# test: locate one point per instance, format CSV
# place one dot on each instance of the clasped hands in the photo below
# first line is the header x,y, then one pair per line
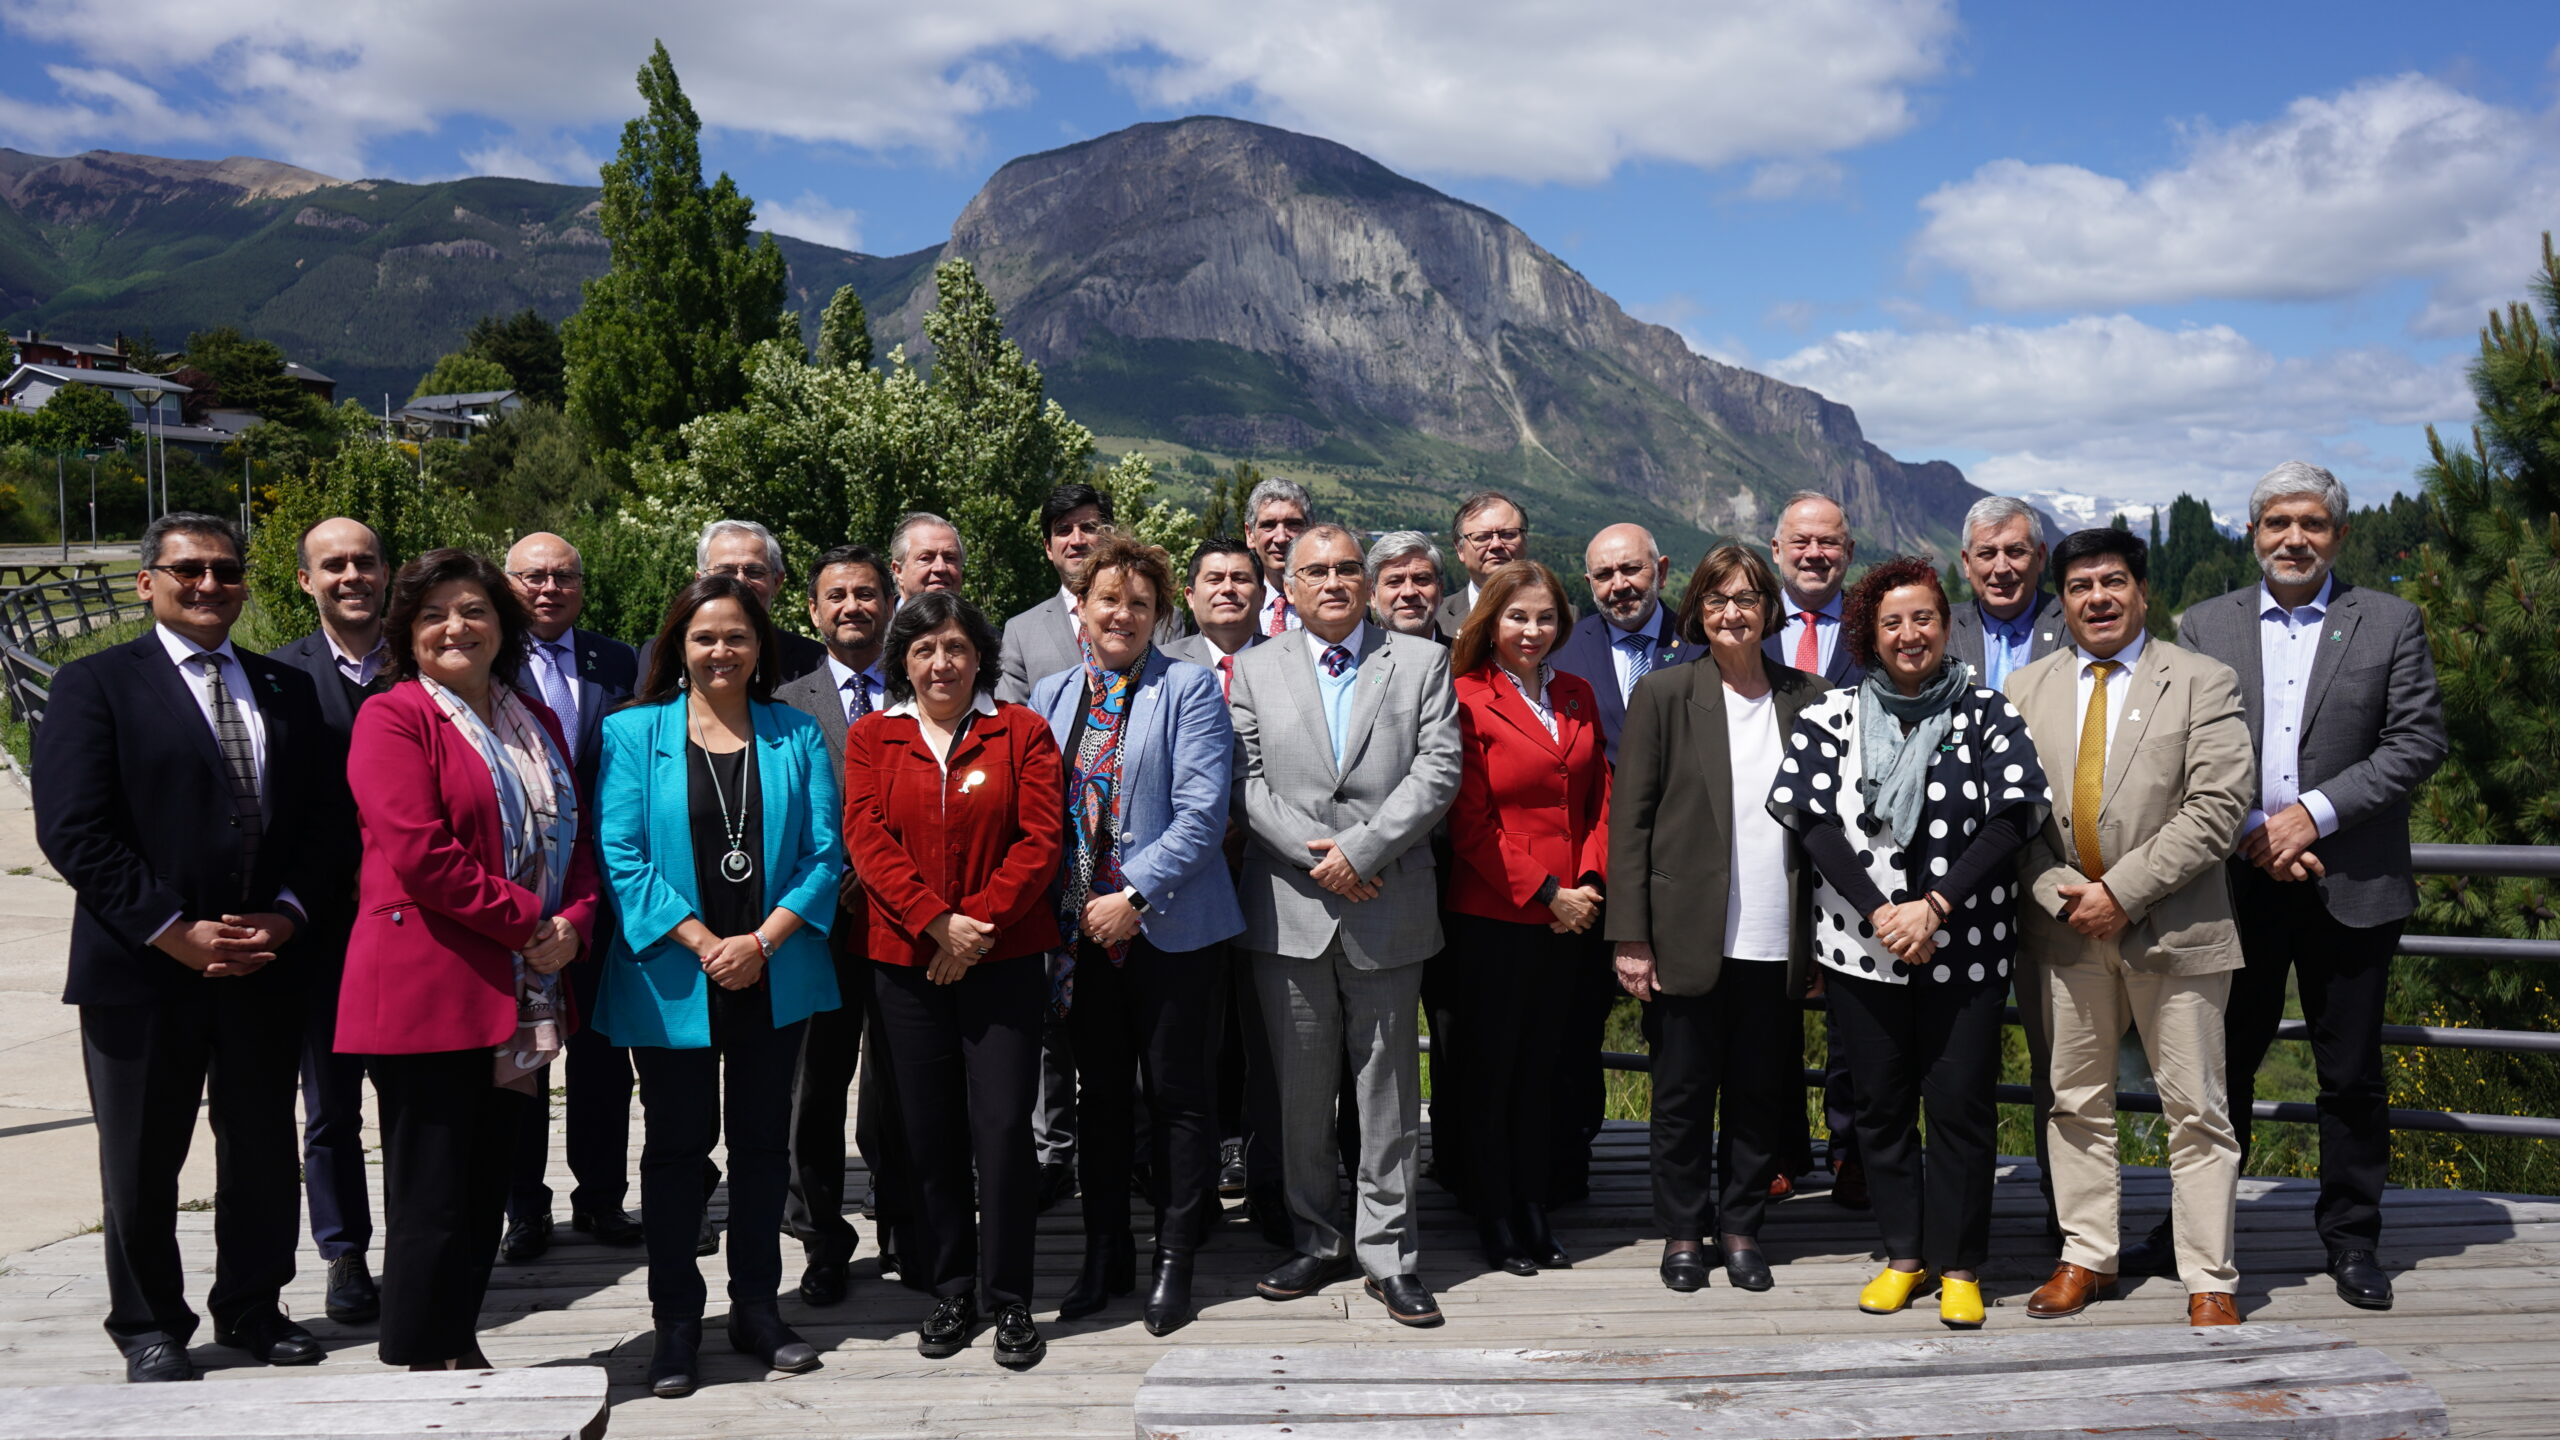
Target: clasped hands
x,y
1909,931
553,946
2282,846
1333,871
231,946
2090,908
959,942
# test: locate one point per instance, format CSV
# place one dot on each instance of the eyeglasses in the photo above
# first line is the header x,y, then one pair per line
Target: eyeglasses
x,y
188,572
550,579
1715,604
1482,538
749,573
1340,569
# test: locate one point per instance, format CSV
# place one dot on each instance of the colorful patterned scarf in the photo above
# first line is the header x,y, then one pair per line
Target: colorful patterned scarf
x,y
1093,809
538,821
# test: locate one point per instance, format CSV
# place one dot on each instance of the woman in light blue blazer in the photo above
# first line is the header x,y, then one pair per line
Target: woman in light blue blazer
x,y
717,814
1144,898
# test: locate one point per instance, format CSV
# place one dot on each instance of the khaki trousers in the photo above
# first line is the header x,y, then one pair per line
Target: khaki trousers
x,y
2180,1020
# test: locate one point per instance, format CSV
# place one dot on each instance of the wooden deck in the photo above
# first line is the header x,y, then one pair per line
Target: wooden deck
x,y
2478,1318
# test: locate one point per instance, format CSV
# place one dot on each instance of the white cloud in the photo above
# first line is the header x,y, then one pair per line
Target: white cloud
x,y
1524,89
811,218
556,158
2111,405
2393,178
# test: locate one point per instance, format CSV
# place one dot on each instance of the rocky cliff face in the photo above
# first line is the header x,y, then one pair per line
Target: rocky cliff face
x,y
1377,304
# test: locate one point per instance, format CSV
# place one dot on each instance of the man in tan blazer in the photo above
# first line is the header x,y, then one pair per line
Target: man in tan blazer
x,y
2128,916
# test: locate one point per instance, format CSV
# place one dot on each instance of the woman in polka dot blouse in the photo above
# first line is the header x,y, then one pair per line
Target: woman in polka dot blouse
x,y
1912,793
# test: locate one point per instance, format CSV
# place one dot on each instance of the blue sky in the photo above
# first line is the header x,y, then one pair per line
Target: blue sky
x,y
2118,250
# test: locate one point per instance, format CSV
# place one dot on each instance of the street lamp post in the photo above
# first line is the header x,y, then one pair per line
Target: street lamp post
x,y
149,397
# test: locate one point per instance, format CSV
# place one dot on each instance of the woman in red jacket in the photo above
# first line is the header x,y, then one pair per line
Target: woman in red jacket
x,y
1530,831
478,886
955,814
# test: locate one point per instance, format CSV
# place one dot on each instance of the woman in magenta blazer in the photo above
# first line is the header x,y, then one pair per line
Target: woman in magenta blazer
x,y
1530,832
478,887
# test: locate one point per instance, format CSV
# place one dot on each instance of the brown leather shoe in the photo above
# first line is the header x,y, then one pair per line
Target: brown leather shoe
x,y
2212,1307
2071,1290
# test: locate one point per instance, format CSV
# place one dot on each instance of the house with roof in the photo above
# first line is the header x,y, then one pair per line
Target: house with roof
x,y
30,386
33,349
456,417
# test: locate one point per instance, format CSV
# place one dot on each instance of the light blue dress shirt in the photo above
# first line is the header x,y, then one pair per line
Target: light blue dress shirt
x,y
1622,654
1826,634
2006,644
2288,643
1336,690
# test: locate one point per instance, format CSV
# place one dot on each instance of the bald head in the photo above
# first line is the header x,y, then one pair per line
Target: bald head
x,y
551,580
343,570
1626,570
1812,549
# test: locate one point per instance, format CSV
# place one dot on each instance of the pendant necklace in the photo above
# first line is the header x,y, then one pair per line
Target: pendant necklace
x,y
737,864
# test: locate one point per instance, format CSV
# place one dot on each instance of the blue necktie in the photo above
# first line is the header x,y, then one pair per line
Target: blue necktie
x,y
1337,658
1639,648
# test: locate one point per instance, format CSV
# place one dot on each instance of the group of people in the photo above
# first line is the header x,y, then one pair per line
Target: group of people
x,y
1150,892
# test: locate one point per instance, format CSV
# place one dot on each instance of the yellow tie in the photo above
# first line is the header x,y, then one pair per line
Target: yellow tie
x,y
2089,773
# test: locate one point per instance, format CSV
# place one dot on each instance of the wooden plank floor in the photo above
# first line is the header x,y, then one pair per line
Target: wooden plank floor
x,y
2478,1318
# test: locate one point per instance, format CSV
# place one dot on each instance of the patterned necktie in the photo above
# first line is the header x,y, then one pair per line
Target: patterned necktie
x,y
1226,677
2089,774
558,692
857,700
1809,644
1280,615
1337,658
1639,648
240,758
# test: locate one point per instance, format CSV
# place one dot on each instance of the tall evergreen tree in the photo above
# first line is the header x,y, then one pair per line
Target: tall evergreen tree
x,y
664,333
844,332
527,347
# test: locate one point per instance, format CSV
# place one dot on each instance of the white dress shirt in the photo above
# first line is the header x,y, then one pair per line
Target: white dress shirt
x,y
182,653
1276,601
2288,643
980,703
1539,704
2117,688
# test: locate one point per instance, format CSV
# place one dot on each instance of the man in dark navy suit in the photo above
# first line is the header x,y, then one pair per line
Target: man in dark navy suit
x,y
580,675
185,790
341,566
1629,633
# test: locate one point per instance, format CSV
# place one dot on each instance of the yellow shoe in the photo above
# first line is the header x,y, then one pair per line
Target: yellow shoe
x,y
1960,1304
1889,1292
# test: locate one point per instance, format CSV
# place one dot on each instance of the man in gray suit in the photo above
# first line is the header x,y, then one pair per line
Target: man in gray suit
x,y
1347,742
2013,620
1043,640
2347,722
1491,532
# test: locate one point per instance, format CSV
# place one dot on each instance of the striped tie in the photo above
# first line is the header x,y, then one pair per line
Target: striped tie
x,y
1639,648
239,757
2089,773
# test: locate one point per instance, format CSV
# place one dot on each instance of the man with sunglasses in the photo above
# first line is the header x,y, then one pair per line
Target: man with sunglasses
x,y
190,791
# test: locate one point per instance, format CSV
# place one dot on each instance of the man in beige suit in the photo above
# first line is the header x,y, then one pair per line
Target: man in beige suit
x,y
2128,915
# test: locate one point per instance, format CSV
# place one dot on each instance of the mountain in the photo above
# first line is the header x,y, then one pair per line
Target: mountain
x,y
2075,511
1204,285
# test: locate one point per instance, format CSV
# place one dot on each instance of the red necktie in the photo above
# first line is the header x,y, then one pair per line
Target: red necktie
x,y
1809,644
1279,614
1227,677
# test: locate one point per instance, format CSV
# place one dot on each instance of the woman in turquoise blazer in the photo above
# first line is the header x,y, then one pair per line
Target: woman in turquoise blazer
x,y
716,827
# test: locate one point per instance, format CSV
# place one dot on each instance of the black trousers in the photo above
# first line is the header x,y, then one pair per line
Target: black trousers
x,y
2344,973
1938,1046
1514,1055
967,1057
1739,1044
1582,1094
740,1081
448,1149
596,1073
1839,1098
1443,986
333,1164
832,1056
1147,1023
236,1045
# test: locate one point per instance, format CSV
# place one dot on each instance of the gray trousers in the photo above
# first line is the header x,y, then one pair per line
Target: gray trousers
x,y
1320,1012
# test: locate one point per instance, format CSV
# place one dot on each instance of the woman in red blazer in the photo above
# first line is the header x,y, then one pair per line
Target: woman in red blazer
x,y
955,817
1530,832
478,886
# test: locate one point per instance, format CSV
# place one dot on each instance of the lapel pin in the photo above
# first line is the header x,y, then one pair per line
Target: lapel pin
x,y
2337,634
2133,715
975,779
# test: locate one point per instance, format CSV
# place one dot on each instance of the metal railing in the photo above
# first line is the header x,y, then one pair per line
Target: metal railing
x,y
36,618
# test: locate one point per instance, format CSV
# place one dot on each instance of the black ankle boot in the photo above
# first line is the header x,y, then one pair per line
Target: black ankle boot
x,y
758,1330
1540,1238
1110,1268
671,1363
1168,1305
1503,1248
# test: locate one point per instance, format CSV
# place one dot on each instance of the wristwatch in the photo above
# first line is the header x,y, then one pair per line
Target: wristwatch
x,y
1137,901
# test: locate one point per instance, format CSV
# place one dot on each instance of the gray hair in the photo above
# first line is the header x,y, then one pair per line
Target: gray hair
x,y
914,518
1395,545
718,528
1275,488
1802,496
1318,532
1993,510
2297,477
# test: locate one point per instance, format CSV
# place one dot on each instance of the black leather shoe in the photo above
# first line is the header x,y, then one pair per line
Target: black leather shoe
x,y
947,1330
271,1337
825,1282
155,1363
2362,1282
889,1266
525,1240
758,1330
1685,1270
1018,1342
1747,1269
1057,1182
1407,1301
1270,1216
1168,1306
871,1201
353,1299
1110,1268
708,1242
1302,1275
609,1227
1504,1250
1540,1237
672,1365
1231,1169
2153,1254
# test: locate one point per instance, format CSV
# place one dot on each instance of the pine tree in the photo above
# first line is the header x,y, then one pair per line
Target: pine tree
x,y
664,333
844,332
527,347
